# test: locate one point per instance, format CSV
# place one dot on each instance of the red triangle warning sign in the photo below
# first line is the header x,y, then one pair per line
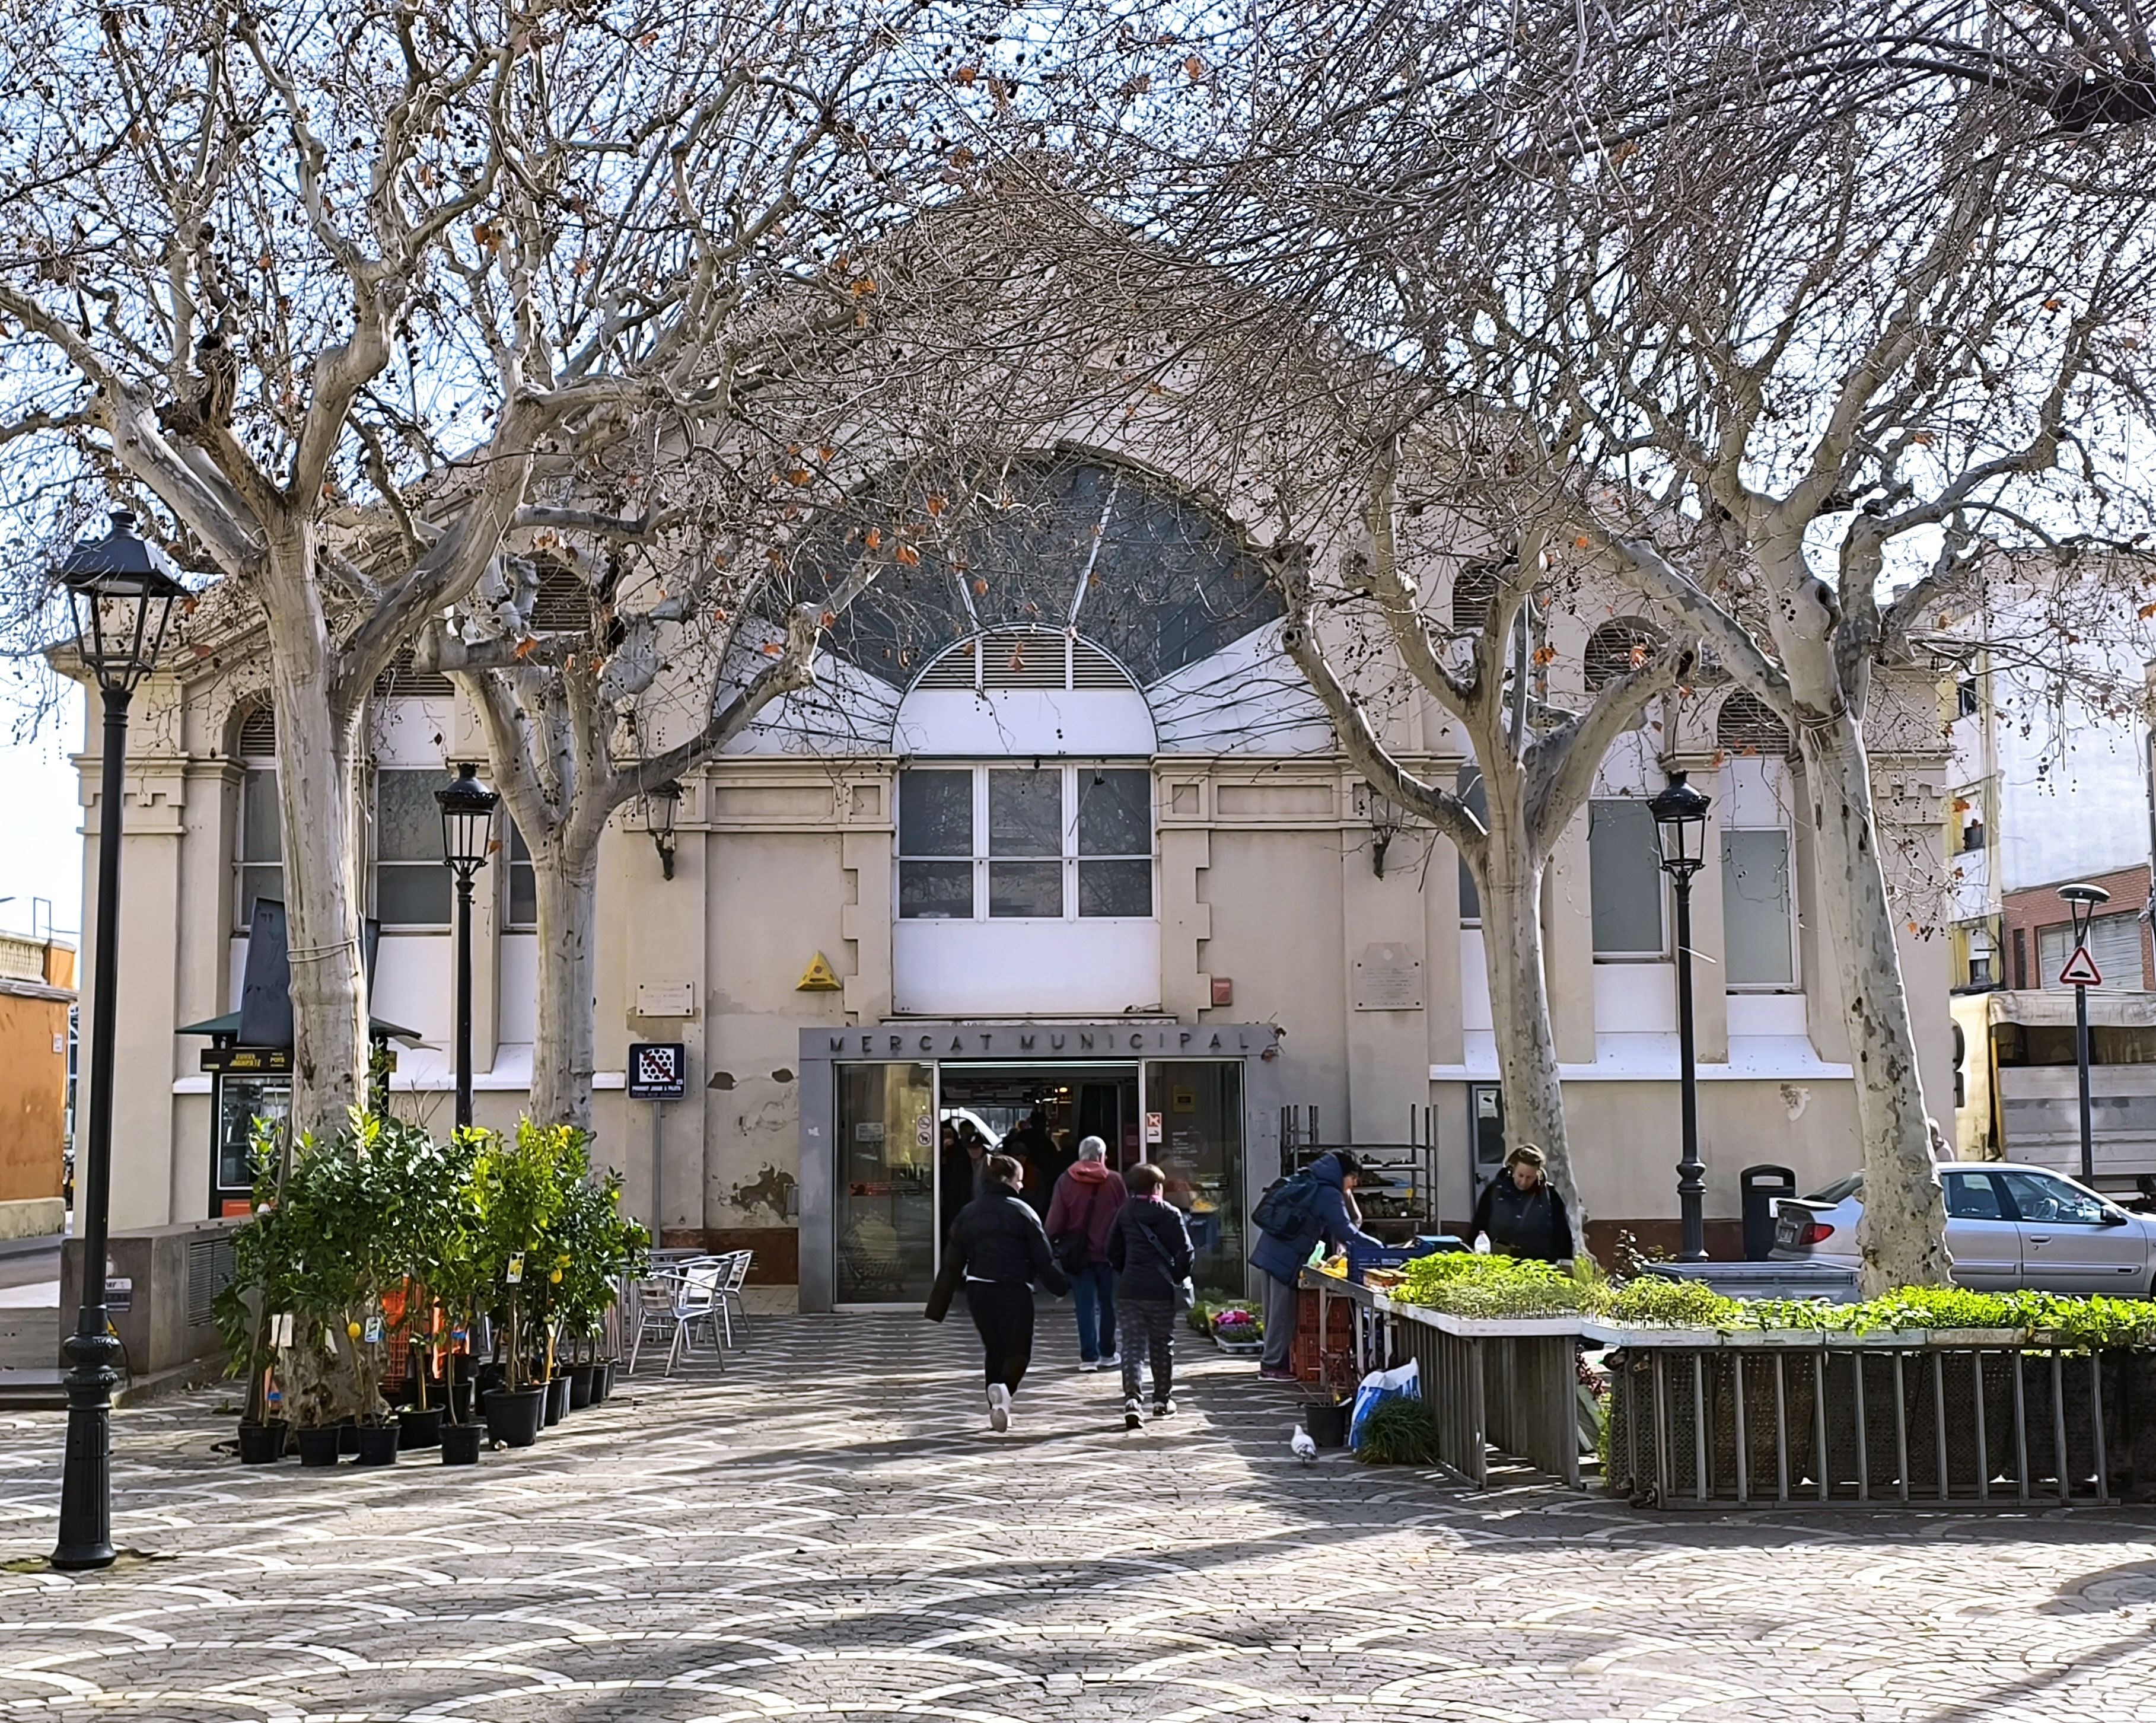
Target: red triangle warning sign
x,y
2081,970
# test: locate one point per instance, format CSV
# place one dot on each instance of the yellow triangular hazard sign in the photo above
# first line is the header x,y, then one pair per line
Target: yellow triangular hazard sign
x,y
819,977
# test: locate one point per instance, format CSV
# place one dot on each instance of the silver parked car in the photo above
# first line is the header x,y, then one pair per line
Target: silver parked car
x,y
2008,1226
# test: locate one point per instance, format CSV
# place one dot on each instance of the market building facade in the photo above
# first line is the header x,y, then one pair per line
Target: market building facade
x,y
1066,851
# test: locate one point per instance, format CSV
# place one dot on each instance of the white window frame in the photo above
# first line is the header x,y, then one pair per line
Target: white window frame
x,y
250,765
1070,858
1796,983
1665,900
375,862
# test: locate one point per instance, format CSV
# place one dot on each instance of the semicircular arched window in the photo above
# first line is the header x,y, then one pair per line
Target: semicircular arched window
x,y
1617,648
1748,725
1098,552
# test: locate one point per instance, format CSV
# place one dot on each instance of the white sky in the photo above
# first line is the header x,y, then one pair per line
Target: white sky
x,y
41,825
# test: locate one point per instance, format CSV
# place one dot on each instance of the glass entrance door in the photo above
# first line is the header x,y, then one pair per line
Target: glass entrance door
x,y
1194,1132
884,1218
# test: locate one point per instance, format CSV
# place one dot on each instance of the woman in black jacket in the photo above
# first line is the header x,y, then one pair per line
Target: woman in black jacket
x,y
1521,1212
1149,1248
998,1250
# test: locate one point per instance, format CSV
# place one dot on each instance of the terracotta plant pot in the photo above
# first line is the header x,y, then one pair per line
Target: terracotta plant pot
x,y
557,1400
322,1447
580,1386
514,1415
420,1429
261,1445
460,1443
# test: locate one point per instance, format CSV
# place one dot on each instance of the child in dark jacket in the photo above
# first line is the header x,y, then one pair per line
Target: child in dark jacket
x,y
1149,1248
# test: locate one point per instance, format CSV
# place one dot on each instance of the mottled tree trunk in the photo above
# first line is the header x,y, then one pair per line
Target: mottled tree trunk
x,y
316,765
1903,1236
1519,1013
566,882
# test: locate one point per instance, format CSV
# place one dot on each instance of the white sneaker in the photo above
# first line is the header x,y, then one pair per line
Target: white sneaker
x,y
998,1406
1085,1364
1163,1408
1114,1361
1133,1418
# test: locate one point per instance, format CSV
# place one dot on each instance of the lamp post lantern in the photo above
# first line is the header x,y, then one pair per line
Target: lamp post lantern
x,y
467,808
1680,814
2081,902
660,804
120,593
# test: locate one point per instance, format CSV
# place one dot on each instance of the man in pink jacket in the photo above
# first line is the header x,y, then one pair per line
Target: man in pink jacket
x,y
1080,1216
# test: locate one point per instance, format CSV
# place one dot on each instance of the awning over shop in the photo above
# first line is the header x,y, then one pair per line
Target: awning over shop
x,y
2053,1008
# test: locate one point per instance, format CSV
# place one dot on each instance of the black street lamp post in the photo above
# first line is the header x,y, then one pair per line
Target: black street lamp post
x,y
1680,814
467,808
120,590
2081,902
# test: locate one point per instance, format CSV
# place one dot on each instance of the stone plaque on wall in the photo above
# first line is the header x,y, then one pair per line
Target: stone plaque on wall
x,y
1388,977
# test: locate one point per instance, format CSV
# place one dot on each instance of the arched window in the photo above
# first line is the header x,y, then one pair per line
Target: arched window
x,y
1617,648
1473,590
1748,725
259,847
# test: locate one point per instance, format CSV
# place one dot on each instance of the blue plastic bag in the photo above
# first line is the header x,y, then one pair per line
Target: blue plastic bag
x,y
1405,1383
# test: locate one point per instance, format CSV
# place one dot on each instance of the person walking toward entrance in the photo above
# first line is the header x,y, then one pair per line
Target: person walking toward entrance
x,y
1291,1219
998,1250
1150,1250
1088,1198
1521,1214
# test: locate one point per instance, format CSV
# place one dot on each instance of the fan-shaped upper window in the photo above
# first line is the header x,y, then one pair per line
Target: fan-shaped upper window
x,y
402,677
563,603
1748,725
1055,545
256,738
1617,648
1013,691
1474,591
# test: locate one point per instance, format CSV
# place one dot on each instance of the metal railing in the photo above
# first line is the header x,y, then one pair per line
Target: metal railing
x,y
1512,1387
1864,1420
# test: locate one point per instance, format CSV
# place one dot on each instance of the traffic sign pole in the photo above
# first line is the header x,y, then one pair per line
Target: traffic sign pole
x,y
658,1072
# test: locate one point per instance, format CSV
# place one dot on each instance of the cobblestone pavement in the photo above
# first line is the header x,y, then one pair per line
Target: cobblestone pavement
x,y
830,1531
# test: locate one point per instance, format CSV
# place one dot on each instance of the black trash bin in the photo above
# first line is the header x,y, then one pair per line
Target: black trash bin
x,y
1763,1187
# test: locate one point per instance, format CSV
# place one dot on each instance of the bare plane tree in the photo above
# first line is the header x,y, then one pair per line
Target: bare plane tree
x,y
344,297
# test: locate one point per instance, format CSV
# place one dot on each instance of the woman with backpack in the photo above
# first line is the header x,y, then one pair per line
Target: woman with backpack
x,y
1150,1250
1291,1219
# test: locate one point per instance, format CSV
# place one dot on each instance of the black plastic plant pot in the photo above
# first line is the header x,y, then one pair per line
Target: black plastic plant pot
x,y
460,1397
261,1445
378,1442
557,1400
460,1444
580,1386
322,1447
348,1436
513,1415
602,1383
419,1429
1326,1421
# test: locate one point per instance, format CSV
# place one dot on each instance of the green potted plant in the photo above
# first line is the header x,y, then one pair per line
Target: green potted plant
x,y
516,1193
598,1245
425,1185
247,1307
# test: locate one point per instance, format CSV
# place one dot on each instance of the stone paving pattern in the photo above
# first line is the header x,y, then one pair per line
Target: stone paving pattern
x,y
828,1530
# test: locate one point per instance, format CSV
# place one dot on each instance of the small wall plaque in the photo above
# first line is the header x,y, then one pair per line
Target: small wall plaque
x,y
666,998
1388,977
